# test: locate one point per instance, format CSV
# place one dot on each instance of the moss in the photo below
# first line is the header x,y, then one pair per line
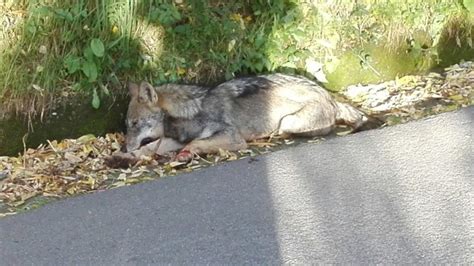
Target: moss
x,y
74,119
374,64
412,54
11,132
456,43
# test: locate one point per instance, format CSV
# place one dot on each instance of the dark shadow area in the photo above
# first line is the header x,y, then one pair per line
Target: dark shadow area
x,y
456,42
71,119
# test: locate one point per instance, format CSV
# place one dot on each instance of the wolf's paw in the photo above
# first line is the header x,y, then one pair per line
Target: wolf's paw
x,y
184,156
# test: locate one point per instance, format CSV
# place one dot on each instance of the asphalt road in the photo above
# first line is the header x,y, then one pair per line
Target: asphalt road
x,y
401,195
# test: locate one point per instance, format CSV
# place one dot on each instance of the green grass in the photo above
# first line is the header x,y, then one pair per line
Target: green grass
x,y
51,48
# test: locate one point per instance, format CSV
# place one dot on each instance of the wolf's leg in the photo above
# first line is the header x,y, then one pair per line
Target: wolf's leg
x,y
231,141
313,120
167,145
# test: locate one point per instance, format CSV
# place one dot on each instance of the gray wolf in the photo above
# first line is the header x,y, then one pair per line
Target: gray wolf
x,y
201,120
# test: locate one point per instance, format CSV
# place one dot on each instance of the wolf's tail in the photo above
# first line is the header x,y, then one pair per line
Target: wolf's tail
x,y
358,120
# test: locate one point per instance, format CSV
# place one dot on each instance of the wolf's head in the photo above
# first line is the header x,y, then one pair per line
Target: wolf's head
x,y
144,118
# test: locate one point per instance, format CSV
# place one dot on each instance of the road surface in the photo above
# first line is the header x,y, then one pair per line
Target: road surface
x,y
402,194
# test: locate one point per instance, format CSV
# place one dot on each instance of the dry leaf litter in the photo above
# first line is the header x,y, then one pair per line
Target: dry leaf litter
x,y
415,96
75,166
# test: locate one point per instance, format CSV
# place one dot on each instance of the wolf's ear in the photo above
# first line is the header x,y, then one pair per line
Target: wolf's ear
x,y
147,93
132,89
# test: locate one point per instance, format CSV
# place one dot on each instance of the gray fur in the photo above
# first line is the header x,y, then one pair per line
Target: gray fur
x,y
186,100
207,119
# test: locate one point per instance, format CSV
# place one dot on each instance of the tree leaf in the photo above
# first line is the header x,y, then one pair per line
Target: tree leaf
x,y
105,90
72,64
88,54
90,70
258,66
260,40
42,12
97,47
64,14
95,99
469,5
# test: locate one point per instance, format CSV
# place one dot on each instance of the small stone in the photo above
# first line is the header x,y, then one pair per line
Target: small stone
x,y
43,49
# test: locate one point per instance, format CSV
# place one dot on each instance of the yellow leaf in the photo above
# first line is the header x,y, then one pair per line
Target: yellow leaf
x,y
87,149
236,17
91,182
181,71
86,138
456,97
405,80
71,190
231,45
119,184
115,29
175,164
17,203
132,180
122,176
27,196
72,158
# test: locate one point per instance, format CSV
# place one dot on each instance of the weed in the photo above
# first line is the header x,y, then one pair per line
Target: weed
x,y
69,47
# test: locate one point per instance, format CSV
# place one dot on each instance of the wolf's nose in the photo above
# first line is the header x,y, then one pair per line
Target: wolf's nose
x,y
123,148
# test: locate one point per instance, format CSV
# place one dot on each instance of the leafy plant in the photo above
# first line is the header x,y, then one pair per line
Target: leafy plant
x,y
469,5
90,66
93,46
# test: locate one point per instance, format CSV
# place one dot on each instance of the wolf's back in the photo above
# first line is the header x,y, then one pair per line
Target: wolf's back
x,y
285,94
247,86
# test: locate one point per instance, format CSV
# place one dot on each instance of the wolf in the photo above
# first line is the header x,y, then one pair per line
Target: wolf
x,y
199,120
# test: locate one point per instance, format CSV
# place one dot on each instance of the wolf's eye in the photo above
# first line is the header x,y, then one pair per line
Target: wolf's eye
x,y
146,141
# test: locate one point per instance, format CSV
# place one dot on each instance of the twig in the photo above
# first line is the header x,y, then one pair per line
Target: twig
x,y
52,146
24,149
369,65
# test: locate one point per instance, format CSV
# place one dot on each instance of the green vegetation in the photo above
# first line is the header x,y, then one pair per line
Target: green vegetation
x,y
51,48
